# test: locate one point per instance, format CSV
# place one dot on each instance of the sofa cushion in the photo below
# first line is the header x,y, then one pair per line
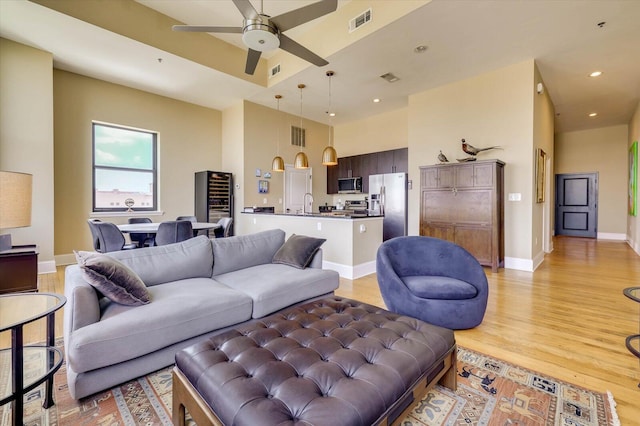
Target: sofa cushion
x,y
192,258
436,287
298,251
239,252
113,279
273,286
179,310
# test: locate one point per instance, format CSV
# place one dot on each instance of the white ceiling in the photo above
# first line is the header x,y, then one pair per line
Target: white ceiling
x,y
464,38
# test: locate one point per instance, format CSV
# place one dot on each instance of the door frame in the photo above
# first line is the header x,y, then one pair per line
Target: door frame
x,y
288,168
593,178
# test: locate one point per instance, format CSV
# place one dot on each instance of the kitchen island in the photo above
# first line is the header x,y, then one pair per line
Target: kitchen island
x,y
352,242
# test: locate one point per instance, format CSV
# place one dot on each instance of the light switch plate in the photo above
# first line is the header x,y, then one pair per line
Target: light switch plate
x,y
515,196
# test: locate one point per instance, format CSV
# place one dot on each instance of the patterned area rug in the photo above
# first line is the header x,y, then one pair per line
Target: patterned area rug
x,y
490,392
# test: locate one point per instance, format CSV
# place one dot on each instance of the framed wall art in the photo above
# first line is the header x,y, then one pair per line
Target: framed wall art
x,y
263,186
633,179
541,158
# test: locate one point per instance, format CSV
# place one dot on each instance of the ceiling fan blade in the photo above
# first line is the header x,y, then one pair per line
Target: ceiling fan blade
x,y
206,29
246,8
300,51
304,14
252,61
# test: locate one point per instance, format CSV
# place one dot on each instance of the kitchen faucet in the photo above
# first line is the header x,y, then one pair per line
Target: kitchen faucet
x,y
304,203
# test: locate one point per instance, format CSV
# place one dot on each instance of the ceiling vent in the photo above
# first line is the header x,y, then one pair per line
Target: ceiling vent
x,y
360,20
298,136
274,71
390,77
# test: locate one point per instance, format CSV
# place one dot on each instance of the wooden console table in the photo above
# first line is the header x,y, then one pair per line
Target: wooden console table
x,y
19,269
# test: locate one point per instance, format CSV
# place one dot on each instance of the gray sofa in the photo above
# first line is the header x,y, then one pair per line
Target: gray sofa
x,y
198,287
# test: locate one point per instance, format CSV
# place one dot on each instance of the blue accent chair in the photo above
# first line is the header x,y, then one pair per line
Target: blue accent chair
x,y
434,280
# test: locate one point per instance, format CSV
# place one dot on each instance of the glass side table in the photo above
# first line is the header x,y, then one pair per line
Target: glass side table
x,y
633,342
17,310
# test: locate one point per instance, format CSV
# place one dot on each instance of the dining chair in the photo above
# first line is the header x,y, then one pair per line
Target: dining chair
x,y
94,233
142,239
174,231
225,227
189,218
107,237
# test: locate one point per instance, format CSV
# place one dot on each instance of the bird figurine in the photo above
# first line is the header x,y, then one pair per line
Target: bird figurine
x,y
472,150
442,158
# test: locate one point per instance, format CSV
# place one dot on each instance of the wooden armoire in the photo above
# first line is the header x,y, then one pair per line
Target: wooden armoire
x,y
464,203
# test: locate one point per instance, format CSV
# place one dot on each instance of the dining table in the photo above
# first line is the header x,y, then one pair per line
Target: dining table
x,y
152,228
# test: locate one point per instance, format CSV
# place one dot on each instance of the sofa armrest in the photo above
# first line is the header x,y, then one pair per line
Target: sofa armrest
x,y
316,262
83,306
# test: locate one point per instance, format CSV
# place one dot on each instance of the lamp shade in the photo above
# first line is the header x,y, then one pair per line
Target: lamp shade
x,y
277,165
15,199
329,156
301,161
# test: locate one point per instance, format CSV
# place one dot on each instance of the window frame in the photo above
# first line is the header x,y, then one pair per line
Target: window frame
x,y
153,170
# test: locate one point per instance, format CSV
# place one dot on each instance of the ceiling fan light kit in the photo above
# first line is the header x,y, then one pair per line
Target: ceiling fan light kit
x,y
259,34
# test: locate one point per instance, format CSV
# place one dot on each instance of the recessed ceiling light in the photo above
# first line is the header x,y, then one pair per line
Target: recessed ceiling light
x,y
376,100
332,114
420,49
595,74
593,114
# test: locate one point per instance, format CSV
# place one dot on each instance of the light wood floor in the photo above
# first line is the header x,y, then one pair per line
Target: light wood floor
x,y
568,319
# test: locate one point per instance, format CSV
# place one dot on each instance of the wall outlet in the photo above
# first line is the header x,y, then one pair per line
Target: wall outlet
x,y
279,200
264,201
363,228
319,226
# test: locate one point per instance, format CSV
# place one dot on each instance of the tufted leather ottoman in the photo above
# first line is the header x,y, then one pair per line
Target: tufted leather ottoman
x,y
332,361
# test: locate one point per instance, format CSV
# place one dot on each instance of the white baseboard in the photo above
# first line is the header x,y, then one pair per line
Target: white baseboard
x,y
351,272
537,260
65,259
611,236
634,246
47,267
519,264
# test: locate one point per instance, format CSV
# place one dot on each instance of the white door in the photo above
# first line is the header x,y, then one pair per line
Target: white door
x,y
297,182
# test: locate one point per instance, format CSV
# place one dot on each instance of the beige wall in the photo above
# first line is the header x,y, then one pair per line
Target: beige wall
x,y
261,125
189,141
495,108
543,138
604,151
380,132
233,155
633,222
26,138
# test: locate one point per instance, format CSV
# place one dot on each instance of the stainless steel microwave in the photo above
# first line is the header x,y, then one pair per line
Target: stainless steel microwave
x,y
352,185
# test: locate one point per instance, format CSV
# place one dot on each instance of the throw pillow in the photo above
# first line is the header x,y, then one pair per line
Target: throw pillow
x,y
298,251
113,279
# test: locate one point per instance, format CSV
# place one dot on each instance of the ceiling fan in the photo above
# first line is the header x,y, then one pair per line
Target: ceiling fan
x,y
262,33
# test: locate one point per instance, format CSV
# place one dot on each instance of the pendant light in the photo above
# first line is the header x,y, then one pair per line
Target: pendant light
x,y
301,161
329,155
277,165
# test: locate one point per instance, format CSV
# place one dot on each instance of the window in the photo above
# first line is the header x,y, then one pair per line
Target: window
x,y
124,169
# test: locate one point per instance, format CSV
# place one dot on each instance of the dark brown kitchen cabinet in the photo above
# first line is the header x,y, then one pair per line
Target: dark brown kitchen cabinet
x,y
393,161
464,203
332,179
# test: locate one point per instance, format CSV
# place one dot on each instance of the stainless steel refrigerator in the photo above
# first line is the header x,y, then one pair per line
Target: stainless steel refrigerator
x,y
388,197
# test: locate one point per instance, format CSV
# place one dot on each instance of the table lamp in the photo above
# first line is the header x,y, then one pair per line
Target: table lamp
x,y
15,203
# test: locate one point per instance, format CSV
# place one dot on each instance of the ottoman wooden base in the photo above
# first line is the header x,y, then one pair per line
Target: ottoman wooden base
x,y
333,361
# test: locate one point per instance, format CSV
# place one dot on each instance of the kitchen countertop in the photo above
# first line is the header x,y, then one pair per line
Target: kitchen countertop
x,y
333,215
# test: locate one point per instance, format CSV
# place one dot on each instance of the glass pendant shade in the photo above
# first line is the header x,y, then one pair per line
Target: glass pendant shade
x,y
301,161
277,165
329,156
